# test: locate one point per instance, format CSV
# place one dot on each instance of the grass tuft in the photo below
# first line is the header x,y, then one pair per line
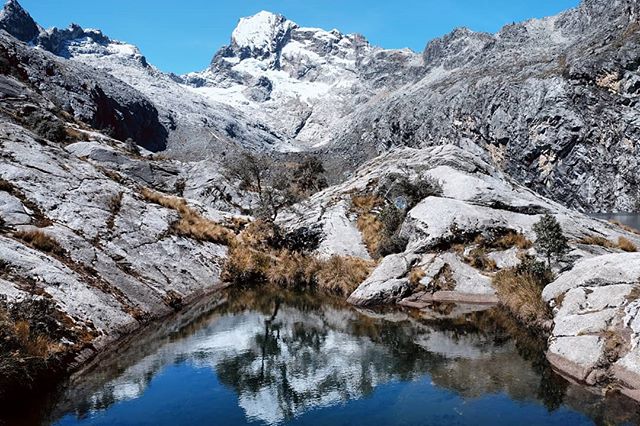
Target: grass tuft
x,y
342,275
191,224
368,223
521,293
626,245
41,241
252,260
512,239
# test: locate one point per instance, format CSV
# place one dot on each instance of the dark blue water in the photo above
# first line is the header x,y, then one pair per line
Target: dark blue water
x,y
266,360
629,219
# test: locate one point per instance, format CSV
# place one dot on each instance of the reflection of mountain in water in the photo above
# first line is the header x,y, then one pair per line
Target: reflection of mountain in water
x,y
285,357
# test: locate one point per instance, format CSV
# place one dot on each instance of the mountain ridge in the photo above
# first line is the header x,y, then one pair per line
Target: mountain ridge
x,y
284,88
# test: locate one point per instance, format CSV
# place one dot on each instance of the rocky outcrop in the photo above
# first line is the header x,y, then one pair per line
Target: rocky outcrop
x,y
596,337
111,260
478,202
552,101
16,21
88,95
387,284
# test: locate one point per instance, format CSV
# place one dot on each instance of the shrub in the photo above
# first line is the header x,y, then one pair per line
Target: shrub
x,y
305,239
550,239
309,176
41,241
46,126
391,218
391,245
478,259
397,185
626,245
391,241
539,271
275,186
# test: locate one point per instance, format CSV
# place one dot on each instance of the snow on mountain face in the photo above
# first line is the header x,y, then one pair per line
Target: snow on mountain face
x,y
261,34
301,81
88,44
276,86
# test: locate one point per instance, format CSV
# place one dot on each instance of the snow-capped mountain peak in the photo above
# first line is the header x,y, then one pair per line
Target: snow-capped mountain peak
x,y
262,33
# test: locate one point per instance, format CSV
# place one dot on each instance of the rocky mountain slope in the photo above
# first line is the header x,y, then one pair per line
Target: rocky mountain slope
x,y
552,101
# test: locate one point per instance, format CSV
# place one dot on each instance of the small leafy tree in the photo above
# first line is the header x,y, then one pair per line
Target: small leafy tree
x,y
550,239
261,175
309,175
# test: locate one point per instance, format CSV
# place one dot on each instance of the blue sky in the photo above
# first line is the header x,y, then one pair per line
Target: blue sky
x,y
182,35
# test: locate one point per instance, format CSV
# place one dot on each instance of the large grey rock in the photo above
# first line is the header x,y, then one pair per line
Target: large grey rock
x,y
387,283
557,119
596,331
120,264
12,211
612,269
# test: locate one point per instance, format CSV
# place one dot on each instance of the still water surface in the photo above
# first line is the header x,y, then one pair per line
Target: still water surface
x,y
629,219
267,359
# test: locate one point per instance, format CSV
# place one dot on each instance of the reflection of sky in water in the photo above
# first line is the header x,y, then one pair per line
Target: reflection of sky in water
x,y
322,366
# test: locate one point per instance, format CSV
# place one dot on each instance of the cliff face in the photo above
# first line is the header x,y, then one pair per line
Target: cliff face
x,y
553,102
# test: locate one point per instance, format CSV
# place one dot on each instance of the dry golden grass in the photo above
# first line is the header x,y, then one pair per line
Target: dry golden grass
x,y
34,345
76,135
29,343
444,280
513,239
342,275
191,224
479,259
251,261
614,345
596,240
416,275
622,243
368,223
236,224
626,227
522,295
40,241
634,294
626,245
291,270
246,266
